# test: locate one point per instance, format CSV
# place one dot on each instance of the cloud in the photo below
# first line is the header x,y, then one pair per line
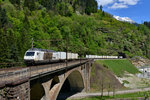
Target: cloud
x,y
124,19
105,2
117,4
129,2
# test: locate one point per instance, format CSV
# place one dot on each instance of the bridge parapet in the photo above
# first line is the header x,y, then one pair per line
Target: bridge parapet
x,y
51,68
11,76
19,79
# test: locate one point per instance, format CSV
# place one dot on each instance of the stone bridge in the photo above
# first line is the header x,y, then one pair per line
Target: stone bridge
x,y
45,82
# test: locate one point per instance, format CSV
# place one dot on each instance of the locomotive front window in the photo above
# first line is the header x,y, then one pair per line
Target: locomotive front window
x,y
30,53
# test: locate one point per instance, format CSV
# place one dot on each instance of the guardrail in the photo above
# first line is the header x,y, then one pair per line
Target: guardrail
x,y
11,77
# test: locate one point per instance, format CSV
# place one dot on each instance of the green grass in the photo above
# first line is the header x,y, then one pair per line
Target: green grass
x,y
119,66
132,96
125,82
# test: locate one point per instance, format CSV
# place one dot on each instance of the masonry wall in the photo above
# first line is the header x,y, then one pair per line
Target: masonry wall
x,y
15,92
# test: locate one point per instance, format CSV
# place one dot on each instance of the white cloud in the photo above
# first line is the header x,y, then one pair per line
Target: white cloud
x,y
116,4
105,2
124,19
129,2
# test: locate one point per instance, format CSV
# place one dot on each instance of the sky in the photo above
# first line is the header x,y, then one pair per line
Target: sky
x,y
137,10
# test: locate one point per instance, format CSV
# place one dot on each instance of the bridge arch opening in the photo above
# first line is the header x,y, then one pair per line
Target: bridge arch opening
x,y
37,92
54,82
74,83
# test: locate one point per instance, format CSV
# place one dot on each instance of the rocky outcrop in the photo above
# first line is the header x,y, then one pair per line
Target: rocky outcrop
x,y
139,61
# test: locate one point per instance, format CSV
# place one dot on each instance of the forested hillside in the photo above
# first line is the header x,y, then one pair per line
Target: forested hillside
x,y
53,24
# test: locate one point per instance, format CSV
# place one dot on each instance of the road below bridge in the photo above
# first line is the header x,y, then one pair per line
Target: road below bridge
x,y
85,95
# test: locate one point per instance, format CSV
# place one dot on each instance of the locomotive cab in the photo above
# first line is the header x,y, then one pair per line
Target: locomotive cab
x,y
36,56
29,57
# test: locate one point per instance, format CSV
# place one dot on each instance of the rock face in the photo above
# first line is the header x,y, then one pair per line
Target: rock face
x,y
139,61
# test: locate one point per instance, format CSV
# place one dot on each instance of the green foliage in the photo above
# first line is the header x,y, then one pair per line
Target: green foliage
x,y
147,24
15,2
67,7
3,17
119,67
30,4
125,82
91,7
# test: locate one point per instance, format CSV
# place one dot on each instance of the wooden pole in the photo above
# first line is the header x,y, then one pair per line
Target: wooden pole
x,y
32,43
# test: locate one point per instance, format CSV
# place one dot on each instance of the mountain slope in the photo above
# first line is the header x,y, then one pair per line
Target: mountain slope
x,y
94,33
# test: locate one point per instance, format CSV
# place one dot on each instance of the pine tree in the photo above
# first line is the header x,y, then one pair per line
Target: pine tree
x,y
91,7
30,4
4,47
15,2
3,17
101,8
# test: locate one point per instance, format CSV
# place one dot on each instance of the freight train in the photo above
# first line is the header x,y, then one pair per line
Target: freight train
x,y
42,56
103,57
39,56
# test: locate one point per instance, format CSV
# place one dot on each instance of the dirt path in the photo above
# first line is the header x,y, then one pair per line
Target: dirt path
x,y
83,94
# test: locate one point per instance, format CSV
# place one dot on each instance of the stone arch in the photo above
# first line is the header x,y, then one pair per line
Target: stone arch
x,y
55,81
53,86
76,81
37,92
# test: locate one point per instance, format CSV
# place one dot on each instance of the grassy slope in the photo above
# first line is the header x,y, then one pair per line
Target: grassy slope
x,y
119,67
101,75
105,70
